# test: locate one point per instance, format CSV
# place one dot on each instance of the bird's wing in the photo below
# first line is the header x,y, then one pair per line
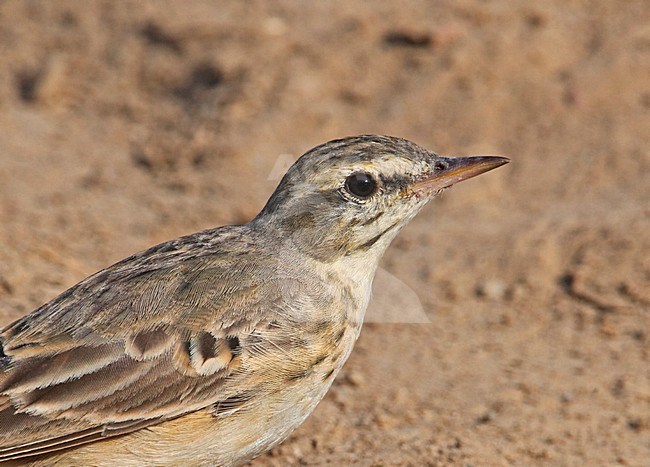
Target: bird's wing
x,y
149,339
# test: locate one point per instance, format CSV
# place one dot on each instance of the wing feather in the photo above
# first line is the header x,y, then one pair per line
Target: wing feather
x,y
144,341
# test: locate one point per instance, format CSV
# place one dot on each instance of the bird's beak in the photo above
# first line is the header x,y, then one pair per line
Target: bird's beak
x,y
451,170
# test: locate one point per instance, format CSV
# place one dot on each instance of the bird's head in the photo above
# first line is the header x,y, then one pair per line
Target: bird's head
x,y
352,195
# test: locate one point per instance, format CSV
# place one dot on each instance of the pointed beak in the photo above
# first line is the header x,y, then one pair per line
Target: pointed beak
x,y
451,170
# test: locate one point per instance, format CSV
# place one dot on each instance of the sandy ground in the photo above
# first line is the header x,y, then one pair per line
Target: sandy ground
x,y
123,124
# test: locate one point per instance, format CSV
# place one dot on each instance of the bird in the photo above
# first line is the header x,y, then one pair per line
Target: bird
x,y
211,348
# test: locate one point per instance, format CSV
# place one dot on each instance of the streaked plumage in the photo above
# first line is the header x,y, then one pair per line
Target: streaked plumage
x,y
209,349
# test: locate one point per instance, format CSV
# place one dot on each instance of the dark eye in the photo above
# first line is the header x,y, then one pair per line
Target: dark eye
x,y
361,185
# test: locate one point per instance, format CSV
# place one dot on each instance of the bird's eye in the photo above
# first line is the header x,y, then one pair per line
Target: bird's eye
x,y
361,184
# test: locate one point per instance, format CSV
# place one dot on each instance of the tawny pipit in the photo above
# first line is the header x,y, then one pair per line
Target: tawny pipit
x,y
209,349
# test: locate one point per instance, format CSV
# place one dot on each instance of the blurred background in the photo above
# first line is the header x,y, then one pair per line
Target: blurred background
x,y
127,123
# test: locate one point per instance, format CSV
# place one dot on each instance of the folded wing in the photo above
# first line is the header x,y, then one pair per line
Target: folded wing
x,y
147,340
